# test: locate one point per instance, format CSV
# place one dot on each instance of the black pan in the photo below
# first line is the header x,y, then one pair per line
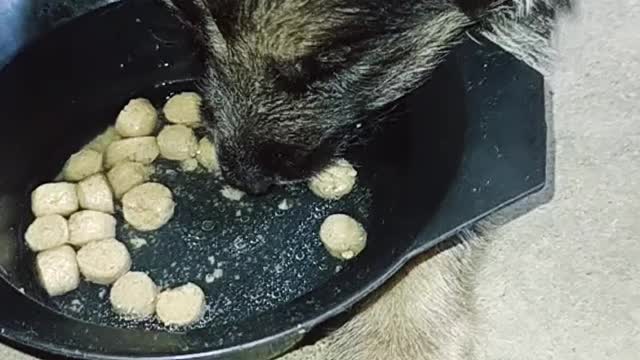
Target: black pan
x,y
469,142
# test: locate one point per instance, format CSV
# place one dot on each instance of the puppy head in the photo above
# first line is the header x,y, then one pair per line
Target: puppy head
x,y
291,83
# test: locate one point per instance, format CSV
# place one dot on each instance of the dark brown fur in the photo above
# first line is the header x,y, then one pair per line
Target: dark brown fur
x,y
291,83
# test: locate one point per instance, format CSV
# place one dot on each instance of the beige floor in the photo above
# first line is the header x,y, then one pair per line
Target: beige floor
x,y
563,282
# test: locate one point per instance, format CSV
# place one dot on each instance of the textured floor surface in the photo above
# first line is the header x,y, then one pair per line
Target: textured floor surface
x,y
563,282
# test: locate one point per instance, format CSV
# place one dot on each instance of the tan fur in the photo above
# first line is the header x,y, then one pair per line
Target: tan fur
x,y
292,29
521,31
426,312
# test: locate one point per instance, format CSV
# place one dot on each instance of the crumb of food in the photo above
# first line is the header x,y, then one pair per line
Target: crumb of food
x,y
215,275
76,305
138,242
285,204
231,193
189,165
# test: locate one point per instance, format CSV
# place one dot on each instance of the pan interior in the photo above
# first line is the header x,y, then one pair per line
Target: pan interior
x,y
256,263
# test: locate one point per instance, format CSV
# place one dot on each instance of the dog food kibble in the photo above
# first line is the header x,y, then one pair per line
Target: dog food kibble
x,y
104,261
57,270
181,306
54,198
232,193
177,142
138,118
127,175
102,141
134,296
148,206
139,149
89,225
335,181
47,232
343,236
84,163
189,165
94,193
184,109
207,156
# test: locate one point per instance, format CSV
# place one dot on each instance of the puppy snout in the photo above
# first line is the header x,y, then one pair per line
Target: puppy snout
x,y
256,187
252,185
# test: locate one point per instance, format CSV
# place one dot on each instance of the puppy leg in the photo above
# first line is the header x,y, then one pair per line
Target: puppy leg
x,y
425,313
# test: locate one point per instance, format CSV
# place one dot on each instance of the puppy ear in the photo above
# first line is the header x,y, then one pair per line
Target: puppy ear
x,y
402,61
197,16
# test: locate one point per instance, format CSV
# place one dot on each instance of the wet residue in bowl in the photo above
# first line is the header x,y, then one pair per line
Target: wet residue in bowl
x,y
249,256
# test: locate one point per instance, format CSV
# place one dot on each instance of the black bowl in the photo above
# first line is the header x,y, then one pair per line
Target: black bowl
x,y
469,142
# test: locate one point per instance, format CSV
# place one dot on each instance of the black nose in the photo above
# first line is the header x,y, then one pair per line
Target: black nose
x,y
256,187
250,186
